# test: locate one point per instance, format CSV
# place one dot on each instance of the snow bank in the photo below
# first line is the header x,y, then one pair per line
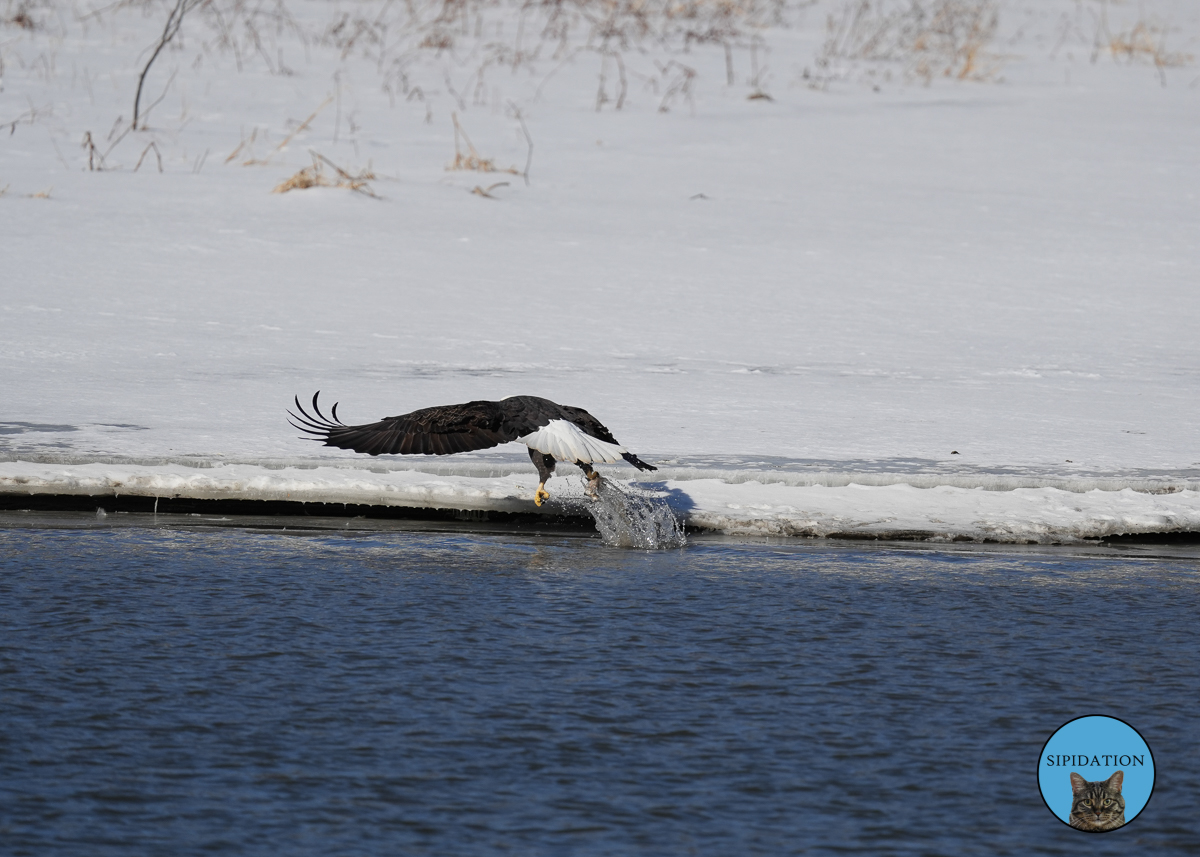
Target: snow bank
x,y
843,508
944,513
254,482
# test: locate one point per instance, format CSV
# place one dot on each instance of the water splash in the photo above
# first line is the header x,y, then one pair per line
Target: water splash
x,y
630,517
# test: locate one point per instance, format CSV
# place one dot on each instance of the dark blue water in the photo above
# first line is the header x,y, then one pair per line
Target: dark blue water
x,y
183,692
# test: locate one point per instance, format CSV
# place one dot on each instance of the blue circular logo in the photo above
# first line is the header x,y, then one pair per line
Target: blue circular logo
x,y
1096,773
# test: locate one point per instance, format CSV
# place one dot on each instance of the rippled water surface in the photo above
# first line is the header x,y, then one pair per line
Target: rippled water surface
x,y
180,692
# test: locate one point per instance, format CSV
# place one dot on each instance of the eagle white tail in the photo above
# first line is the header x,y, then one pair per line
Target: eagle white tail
x,y
568,442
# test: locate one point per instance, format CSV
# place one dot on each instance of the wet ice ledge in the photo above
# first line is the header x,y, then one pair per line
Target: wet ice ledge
x,y
1044,514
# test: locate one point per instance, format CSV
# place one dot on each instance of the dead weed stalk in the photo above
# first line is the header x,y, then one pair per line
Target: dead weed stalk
x,y
486,192
95,159
145,152
286,140
247,143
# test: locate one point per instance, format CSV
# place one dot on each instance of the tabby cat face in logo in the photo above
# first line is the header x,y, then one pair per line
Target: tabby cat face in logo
x,y
1097,806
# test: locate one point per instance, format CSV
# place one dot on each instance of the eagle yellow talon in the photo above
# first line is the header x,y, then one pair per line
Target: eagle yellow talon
x,y
541,496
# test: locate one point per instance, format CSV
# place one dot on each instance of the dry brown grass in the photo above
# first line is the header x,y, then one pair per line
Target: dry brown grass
x,y
471,159
1146,41
306,178
474,162
923,38
315,176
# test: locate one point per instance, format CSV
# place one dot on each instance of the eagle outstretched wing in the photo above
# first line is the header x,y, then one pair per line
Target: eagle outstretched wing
x,y
439,430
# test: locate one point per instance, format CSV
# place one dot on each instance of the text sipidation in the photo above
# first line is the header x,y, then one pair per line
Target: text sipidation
x,y
1063,761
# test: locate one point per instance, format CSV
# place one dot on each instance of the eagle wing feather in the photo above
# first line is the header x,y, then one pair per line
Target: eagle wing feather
x,y
440,430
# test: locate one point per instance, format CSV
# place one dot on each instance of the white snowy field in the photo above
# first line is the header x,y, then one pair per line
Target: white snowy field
x,y
848,305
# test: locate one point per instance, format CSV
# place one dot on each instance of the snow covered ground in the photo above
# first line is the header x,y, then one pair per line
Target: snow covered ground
x,y
843,307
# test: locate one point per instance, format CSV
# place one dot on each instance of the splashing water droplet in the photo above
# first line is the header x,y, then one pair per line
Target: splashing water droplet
x,y
630,517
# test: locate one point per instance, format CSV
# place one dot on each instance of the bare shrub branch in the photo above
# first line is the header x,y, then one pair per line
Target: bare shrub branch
x,y
170,30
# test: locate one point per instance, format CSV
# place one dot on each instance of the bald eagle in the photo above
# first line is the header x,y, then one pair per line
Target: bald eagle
x,y
552,432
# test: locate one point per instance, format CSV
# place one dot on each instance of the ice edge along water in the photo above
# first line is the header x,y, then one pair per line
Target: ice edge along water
x,y
729,502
